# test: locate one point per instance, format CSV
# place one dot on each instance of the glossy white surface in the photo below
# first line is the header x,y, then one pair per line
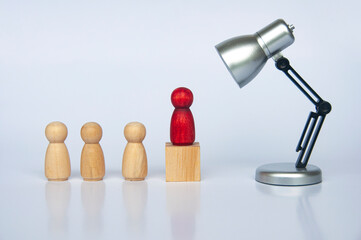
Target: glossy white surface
x,y
227,204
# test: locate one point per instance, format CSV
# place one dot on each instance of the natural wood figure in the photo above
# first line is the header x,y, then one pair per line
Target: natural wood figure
x,y
92,167
134,167
57,161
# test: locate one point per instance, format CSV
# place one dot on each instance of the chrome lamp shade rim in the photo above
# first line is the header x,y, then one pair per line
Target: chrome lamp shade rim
x,y
243,58
225,63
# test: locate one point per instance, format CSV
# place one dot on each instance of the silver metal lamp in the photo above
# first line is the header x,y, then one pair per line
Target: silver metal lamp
x,y
245,56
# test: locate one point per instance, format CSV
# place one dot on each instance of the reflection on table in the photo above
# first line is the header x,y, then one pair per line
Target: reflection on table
x,y
183,201
305,211
135,197
92,197
57,196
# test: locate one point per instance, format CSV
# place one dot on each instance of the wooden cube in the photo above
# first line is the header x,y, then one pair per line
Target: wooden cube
x,y
182,163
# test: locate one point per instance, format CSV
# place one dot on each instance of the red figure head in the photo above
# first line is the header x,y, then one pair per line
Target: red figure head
x,y
182,98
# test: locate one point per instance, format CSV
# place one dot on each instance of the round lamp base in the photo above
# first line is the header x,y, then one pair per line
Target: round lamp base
x,y
286,174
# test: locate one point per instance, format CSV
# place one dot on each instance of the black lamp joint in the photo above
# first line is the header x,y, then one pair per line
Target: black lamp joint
x,y
323,108
283,64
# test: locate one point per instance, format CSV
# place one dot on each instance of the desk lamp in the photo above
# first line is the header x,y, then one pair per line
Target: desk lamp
x,y
245,56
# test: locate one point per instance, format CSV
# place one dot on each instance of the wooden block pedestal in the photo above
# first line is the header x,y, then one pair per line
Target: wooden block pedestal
x,y
182,163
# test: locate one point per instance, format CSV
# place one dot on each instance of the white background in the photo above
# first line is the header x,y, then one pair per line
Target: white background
x,y
118,61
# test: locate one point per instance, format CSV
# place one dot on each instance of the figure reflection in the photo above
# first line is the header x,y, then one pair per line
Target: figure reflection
x,y
183,201
57,198
135,196
304,209
92,196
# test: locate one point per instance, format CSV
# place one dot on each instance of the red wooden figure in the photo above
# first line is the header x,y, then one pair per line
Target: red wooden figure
x,y
182,131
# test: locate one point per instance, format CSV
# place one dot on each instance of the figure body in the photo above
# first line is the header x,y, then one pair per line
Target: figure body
x,y
92,166
57,161
135,166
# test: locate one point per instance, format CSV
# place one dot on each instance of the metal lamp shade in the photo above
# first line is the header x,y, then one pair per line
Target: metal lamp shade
x,y
243,57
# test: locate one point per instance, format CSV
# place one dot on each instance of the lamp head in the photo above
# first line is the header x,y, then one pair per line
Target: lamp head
x,y
245,56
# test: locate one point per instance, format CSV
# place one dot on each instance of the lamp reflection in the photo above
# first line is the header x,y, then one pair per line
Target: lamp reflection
x,y
135,196
57,196
183,200
304,208
92,196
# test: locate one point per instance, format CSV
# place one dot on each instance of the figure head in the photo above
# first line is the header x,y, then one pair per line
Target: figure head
x,y
134,132
182,98
91,133
56,132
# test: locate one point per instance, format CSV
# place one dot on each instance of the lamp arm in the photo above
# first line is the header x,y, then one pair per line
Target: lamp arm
x,y
322,109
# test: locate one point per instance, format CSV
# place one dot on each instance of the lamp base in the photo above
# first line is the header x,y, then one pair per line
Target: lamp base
x,y
286,174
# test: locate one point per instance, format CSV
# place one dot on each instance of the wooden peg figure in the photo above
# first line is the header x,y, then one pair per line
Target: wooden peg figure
x,y
92,167
182,130
135,167
57,161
